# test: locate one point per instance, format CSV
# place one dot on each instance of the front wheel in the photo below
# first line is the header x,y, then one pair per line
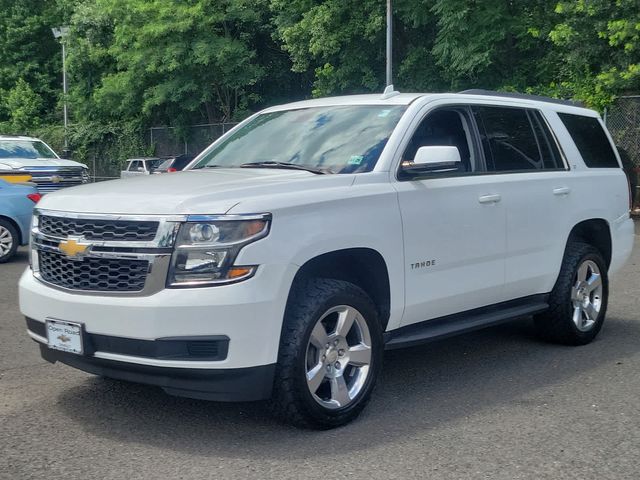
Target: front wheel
x,y
9,241
578,302
330,354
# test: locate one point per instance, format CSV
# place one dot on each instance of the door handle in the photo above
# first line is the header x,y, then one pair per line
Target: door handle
x,y
492,198
561,191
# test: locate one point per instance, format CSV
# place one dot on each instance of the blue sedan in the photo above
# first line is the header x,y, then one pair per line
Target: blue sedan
x,y
16,208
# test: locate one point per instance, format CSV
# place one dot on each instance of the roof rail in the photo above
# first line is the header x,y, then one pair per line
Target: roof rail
x,y
523,96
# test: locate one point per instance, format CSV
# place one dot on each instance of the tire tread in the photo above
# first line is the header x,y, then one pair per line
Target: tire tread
x,y
555,325
287,402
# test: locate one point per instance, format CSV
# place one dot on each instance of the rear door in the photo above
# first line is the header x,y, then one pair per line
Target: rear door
x,y
453,224
536,188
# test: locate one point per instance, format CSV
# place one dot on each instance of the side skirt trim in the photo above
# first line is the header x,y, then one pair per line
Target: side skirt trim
x,y
463,322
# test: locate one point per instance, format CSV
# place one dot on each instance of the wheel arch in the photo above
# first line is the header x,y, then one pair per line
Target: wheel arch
x,y
595,232
15,225
362,266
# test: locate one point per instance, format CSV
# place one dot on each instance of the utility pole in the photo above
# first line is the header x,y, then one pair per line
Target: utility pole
x,y
389,44
61,33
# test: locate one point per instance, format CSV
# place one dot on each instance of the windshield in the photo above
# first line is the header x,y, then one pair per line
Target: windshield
x,y
25,149
154,164
165,165
341,139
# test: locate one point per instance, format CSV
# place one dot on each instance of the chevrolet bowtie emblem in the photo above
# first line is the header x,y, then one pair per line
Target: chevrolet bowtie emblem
x,y
72,248
64,338
56,179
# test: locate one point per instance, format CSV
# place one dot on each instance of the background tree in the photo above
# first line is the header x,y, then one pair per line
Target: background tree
x,y
29,55
598,42
137,63
173,58
341,41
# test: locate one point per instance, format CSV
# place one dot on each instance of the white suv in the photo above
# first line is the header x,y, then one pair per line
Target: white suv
x,y
315,235
20,154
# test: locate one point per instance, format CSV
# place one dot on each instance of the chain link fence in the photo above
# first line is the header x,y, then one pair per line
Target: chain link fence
x,y
623,121
106,163
172,141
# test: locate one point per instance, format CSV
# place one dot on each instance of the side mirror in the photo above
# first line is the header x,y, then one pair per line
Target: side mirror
x,y
434,158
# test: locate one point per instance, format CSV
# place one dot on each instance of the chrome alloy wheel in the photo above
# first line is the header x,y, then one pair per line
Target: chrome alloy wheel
x,y
6,241
338,357
586,295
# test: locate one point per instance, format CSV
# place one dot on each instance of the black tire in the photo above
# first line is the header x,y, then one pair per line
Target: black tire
x,y
8,227
292,400
556,324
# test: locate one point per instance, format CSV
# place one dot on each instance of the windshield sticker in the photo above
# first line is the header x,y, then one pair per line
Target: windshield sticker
x,y
356,159
384,113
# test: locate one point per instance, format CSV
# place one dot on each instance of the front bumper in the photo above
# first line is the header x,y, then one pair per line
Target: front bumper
x,y
228,385
249,313
146,339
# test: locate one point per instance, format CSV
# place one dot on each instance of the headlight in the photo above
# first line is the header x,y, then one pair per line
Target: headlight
x,y
207,247
86,178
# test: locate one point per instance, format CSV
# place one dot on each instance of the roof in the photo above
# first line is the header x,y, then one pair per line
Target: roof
x,y
368,99
408,98
19,137
522,96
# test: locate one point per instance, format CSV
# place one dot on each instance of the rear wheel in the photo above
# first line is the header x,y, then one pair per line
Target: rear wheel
x,y
9,241
330,354
578,302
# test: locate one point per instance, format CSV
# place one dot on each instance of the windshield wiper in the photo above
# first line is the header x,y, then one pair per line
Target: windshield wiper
x,y
292,166
209,166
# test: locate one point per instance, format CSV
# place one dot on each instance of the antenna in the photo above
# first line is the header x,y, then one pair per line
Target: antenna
x,y
389,72
389,92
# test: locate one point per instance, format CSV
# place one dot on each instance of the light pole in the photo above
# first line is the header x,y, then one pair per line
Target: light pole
x,y
389,44
60,33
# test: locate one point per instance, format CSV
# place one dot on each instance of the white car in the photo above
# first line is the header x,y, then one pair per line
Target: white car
x,y
315,235
140,166
48,171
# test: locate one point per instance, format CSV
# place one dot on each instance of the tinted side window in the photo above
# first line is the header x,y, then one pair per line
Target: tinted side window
x,y
548,147
592,142
508,139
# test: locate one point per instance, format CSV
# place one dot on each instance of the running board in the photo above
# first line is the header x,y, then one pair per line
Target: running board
x,y
468,321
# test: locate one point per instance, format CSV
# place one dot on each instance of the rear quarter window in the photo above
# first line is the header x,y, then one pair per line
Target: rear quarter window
x,y
591,140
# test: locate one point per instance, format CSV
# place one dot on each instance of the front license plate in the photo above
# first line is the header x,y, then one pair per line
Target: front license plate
x,y
65,336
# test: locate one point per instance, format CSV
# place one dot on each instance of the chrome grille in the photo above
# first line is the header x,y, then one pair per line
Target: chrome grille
x,y
50,179
94,229
117,255
93,273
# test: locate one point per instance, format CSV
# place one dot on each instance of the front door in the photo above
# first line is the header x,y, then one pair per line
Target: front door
x,y
454,225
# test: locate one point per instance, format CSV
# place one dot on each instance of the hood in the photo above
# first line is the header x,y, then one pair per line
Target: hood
x,y
18,163
213,191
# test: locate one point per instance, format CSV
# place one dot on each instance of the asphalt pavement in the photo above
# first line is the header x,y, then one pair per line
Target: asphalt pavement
x,y
495,404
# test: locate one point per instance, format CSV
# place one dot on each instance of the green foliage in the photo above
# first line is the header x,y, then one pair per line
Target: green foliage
x,y
22,107
104,147
137,63
341,40
492,44
166,59
599,44
28,51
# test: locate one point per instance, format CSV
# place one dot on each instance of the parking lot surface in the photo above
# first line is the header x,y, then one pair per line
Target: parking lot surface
x,y
495,404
